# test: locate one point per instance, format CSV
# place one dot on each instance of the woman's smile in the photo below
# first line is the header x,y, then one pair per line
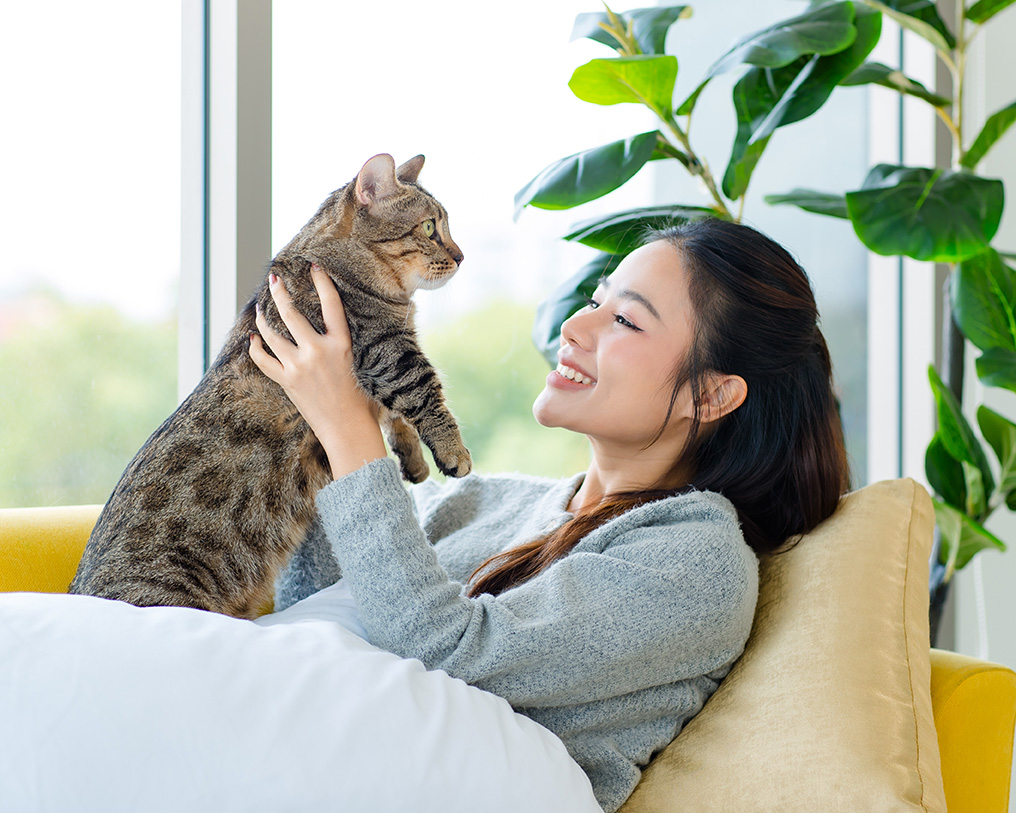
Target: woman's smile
x,y
573,377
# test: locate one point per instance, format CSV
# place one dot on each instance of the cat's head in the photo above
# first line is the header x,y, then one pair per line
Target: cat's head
x,y
397,232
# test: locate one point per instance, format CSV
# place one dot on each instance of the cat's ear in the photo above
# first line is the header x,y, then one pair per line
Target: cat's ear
x,y
410,171
376,180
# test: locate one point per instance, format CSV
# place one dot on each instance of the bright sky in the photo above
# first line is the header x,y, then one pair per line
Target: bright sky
x,y
90,172
90,160
89,168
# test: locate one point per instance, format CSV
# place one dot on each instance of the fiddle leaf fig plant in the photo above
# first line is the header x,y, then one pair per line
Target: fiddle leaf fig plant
x,y
938,214
790,68
949,215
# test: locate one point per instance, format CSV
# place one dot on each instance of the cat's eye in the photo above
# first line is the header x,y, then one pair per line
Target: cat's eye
x,y
428,227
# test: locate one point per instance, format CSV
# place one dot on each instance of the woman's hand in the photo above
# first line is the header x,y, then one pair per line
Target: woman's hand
x,y
317,374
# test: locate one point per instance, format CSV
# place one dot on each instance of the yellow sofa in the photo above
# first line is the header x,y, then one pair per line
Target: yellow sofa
x,y
973,702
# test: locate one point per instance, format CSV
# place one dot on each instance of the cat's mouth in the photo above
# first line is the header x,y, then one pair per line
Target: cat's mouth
x,y
436,277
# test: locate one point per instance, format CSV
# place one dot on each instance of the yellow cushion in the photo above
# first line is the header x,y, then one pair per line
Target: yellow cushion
x,y
975,737
40,548
830,706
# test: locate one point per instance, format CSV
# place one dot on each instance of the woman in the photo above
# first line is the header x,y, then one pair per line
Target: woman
x,y
608,606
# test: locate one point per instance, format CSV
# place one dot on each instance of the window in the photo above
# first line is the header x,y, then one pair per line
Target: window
x,y
90,242
482,92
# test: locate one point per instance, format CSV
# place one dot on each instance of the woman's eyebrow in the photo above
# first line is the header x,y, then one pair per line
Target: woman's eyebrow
x,y
635,296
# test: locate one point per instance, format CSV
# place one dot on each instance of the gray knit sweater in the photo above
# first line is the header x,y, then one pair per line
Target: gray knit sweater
x,y
613,648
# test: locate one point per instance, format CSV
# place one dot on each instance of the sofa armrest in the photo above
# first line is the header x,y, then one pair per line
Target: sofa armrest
x,y
975,709
40,547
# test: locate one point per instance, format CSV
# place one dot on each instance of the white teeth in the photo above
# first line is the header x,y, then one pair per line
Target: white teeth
x,y
573,375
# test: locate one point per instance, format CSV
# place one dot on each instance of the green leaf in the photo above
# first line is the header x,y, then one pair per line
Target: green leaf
x,y
685,108
984,10
994,128
927,214
831,70
955,433
664,150
649,26
983,291
623,232
997,368
565,300
766,98
962,537
827,31
820,203
977,502
743,161
875,73
950,525
647,80
919,16
945,472
824,30
587,175
761,97
1000,433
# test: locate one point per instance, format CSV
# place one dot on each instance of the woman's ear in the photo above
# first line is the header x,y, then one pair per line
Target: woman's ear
x,y
723,394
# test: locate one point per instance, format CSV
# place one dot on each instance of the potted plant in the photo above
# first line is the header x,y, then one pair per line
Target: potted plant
x,y
789,70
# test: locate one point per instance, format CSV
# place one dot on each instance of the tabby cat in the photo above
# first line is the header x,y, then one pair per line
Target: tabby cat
x,y
219,497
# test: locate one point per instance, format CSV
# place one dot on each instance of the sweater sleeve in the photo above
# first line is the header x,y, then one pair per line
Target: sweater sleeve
x,y
654,607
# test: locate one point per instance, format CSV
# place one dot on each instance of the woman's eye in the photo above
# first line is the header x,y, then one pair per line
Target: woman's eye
x,y
622,321
428,227
591,303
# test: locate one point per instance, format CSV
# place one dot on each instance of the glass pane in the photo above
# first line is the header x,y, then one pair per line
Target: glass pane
x,y
89,242
483,92
474,88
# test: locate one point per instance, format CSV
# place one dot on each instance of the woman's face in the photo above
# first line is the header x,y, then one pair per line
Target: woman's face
x,y
618,356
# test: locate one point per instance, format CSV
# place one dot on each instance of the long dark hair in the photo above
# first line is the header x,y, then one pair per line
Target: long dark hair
x,y
779,457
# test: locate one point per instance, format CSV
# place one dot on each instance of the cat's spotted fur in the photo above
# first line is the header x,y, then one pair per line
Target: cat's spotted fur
x,y
222,494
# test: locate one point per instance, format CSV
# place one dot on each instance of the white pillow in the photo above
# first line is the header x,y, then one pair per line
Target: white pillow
x,y
108,707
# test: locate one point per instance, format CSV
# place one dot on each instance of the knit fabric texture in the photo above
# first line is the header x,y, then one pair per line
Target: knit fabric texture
x,y
614,647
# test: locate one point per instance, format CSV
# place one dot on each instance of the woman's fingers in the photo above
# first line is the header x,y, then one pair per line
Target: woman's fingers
x,y
307,347
277,343
332,309
267,363
296,322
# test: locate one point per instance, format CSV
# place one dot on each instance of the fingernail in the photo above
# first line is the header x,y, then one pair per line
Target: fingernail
x,y
272,278
315,267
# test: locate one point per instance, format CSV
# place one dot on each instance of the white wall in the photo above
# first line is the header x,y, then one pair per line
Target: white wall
x,y
992,66
985,591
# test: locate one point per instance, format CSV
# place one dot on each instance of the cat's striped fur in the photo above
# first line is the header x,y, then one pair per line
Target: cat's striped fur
x,y
221,495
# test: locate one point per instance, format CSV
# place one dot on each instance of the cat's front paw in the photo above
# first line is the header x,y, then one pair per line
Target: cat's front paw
x,y
414,468
454,462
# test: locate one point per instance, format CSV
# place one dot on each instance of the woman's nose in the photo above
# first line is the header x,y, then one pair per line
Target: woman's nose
x,y
575,329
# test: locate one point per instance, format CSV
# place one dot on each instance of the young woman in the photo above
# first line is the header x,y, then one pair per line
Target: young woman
x,y
607,606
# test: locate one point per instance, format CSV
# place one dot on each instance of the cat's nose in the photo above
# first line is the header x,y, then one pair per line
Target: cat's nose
x,y
458,257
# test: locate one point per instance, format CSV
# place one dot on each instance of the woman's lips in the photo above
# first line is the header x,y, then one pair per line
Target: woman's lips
x,y
565,377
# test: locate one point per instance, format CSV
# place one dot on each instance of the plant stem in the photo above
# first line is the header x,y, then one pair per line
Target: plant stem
x,y
953,345
953,340
959,69
953,131
698,167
